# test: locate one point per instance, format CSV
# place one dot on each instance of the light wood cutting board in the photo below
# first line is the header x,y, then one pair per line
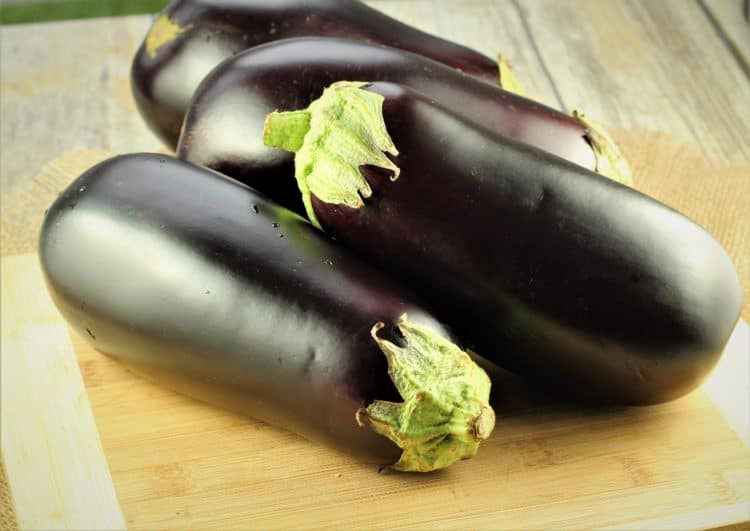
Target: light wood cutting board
x,y
179,463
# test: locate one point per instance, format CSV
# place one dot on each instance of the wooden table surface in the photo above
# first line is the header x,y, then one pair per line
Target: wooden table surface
x,y
670,78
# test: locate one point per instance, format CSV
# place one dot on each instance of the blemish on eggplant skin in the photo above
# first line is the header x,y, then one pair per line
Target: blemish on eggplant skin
x,y
540,198
312,355
541,195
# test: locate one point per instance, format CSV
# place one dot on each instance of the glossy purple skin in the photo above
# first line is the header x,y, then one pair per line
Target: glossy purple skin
x,y
223,128
218,29
210,289
549,270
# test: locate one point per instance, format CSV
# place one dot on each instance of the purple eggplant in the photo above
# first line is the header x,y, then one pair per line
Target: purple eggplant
x,y
222,129
190,37
545,268
207,287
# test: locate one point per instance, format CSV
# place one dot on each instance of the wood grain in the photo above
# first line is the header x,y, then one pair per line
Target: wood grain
x,y
51,451
637,65
732,24
179,463
65,85
496,28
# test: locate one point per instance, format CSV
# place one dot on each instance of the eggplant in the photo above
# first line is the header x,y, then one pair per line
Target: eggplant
x,y
205,286
222,129
190,37
552,271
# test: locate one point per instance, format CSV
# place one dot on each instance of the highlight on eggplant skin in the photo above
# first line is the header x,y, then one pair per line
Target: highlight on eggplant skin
x,y
190,37
223,127
208,288
550,270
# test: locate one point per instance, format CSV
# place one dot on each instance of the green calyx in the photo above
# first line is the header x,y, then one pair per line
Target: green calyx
x,y
339,132
445,413
609,161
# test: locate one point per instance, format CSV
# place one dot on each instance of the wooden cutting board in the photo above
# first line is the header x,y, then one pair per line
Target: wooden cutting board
x,y
177,463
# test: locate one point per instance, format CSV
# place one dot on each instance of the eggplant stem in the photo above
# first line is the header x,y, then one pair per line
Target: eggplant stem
x,y
336,135
445,413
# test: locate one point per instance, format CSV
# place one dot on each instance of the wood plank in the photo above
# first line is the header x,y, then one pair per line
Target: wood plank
x,y
54,461
179,463
644,65
732,20
706,519
65,85
489,27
